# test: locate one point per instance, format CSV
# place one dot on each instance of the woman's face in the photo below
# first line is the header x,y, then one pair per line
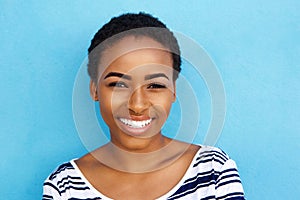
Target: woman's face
x,y
135,90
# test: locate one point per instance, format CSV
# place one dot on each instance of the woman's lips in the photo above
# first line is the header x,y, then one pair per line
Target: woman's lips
x,y
135,123
135,127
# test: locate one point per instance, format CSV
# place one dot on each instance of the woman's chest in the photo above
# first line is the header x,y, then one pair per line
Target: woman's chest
x,y
138,186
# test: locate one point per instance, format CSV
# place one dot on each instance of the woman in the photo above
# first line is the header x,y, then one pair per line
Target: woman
x,y
134,61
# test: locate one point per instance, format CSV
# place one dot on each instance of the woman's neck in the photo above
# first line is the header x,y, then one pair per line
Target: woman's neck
x,y
157,157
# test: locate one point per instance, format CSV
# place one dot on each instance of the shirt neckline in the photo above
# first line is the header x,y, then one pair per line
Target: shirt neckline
x,y
164,196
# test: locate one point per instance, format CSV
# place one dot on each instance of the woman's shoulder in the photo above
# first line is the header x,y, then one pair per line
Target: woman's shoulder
x,y
213,151
211,174
65,178
66,182
64,170
210,157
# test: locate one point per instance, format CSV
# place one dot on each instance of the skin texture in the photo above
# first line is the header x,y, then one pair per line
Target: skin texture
x,y
137,98
136,83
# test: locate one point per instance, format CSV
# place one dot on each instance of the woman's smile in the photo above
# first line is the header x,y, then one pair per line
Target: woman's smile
x,y
134,123
135,127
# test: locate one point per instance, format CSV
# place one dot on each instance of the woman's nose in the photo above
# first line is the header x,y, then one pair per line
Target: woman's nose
x,y
138,102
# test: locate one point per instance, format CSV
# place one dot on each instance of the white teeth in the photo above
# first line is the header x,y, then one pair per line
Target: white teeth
x,y
135,124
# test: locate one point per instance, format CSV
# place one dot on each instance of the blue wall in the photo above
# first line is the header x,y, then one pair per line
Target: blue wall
x,y
255,45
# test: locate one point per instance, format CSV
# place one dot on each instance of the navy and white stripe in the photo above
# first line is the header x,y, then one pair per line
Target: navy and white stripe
x,y
211,175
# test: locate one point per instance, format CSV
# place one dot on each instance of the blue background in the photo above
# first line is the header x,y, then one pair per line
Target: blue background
x,y
255,45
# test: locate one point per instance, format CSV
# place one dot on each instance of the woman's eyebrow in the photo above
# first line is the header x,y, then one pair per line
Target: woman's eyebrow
x,y
151,76
117,74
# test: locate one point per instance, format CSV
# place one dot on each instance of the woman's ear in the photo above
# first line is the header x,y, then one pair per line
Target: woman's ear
x,y
93,91
174,92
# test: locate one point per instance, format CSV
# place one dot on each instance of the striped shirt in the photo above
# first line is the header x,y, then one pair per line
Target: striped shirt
x,y
211,175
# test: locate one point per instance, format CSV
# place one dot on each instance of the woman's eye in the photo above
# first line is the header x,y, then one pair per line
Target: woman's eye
x,y
156,86
118,84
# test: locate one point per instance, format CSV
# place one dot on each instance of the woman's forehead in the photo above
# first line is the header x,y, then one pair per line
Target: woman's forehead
x,y
126,45
139,68
140,54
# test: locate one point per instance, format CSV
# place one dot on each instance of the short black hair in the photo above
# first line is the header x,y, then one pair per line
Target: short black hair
x,y
140,24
